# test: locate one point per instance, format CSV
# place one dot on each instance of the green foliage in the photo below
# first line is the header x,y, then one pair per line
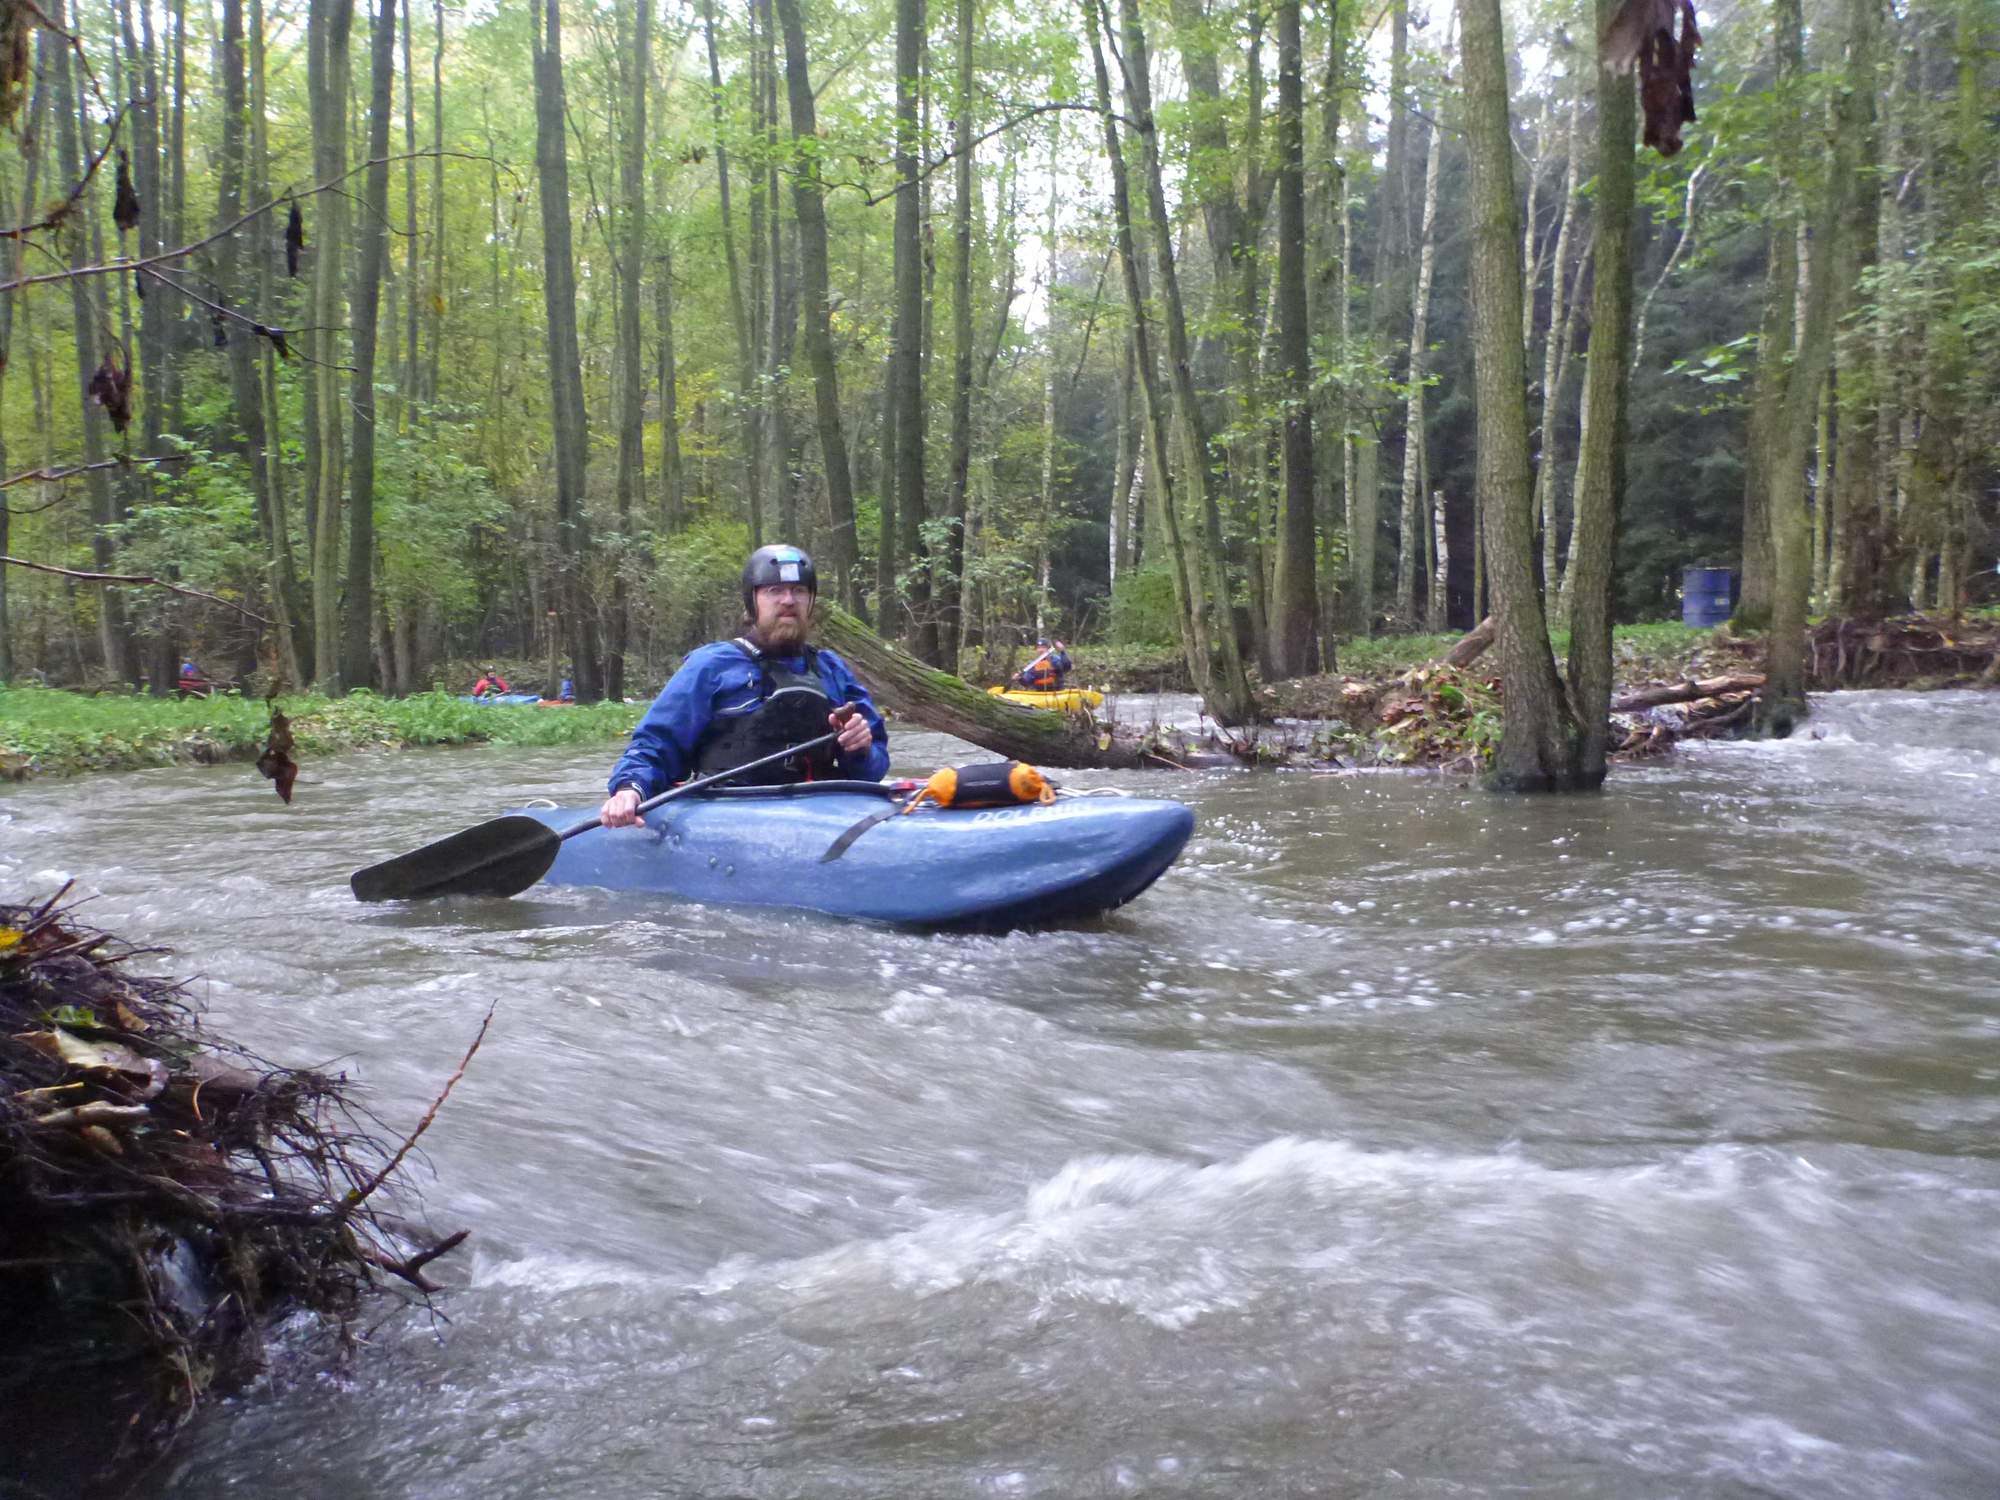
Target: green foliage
x,y
1143,611
46,732
697,582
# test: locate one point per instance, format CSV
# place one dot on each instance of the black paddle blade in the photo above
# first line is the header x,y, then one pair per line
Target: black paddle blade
x,y
498,858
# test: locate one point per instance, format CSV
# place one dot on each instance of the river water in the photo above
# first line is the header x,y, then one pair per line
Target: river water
x,y
1404,1140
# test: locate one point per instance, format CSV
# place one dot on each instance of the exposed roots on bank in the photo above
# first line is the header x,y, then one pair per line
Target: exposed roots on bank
x,y
164,1196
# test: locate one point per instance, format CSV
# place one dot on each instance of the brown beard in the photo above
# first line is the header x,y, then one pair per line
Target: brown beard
x,y
785,633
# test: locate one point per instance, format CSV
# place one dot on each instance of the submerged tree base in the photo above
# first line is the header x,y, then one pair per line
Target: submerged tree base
x,y
163,1198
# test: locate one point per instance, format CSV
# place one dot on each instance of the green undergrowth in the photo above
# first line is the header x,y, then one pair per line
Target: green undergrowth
x,y
47,732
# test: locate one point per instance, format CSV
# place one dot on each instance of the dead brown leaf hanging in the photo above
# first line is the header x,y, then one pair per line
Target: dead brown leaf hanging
x,y
276,762
125,205
1642,32
295,239
111,388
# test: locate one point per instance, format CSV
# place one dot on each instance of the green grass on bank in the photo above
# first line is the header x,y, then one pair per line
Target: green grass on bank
x,y
47,732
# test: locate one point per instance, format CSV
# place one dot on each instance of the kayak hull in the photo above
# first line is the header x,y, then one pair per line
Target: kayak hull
x,y
1067,700
987,869
511,700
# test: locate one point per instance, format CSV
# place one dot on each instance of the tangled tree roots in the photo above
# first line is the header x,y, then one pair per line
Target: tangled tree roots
x,y
1912,650
162,1196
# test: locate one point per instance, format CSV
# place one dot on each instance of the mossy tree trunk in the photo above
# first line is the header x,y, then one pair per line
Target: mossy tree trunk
x,y
937,700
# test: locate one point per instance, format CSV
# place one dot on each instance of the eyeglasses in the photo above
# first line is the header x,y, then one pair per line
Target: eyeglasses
x,y
785,591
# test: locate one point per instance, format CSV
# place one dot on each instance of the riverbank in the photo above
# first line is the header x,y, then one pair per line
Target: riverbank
x,y
49,732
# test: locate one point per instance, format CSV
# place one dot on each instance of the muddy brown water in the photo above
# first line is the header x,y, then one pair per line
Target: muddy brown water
x,y
1404,1140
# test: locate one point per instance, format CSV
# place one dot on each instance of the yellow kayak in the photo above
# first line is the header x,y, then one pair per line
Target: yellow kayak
x,y
1069,700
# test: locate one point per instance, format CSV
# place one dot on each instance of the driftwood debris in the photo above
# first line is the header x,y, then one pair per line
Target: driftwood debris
x,y
163,1196
1686,692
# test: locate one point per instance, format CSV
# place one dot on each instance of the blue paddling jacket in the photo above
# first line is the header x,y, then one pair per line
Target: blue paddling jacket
x,y
722,680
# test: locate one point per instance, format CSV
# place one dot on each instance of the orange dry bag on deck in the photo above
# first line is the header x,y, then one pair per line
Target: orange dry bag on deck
x,y
1005,783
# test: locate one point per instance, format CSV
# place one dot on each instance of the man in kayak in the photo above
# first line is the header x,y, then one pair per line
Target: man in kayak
x,y
735,701
490,681
1046,672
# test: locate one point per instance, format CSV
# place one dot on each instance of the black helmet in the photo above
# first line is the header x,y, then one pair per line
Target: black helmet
x,y
775,565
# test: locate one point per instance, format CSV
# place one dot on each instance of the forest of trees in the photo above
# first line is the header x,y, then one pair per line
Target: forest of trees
x,y
392,336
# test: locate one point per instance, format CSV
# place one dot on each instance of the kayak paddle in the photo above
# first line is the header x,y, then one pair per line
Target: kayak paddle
x,y
504,856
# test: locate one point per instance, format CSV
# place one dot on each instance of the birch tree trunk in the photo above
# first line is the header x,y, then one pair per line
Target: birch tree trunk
x,y
1413,528
1553,352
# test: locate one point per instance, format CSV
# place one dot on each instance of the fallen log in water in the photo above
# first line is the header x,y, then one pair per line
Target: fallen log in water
x,y
937,700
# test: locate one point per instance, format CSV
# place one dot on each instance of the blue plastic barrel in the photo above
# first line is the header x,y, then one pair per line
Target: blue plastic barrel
x,y
1708,596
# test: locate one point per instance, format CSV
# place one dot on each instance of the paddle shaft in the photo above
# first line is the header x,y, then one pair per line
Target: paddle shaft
x,y
696,785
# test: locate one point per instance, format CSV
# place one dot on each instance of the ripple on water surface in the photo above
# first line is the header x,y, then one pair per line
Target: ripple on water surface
x,y
1403,1138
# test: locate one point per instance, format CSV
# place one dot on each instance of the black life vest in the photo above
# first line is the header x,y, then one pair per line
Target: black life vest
x,y
792,707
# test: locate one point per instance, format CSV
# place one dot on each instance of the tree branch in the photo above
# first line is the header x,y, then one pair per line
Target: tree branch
x,y
134,579
113,267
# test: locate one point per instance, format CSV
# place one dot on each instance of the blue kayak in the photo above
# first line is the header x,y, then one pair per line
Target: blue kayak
x,y
990,868
513,699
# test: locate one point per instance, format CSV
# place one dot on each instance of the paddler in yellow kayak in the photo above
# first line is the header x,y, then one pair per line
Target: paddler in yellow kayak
x,y
1046,673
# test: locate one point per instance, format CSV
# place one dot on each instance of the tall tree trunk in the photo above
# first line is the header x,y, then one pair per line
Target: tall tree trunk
x,y
1536,751
436,340
1190,612
673,483
578,620
92,334
906,395
330,23
759,248
1229,227
1782,704
1600,487
1295,612
243,376
1234,702
1328,292
412,281
1413,527
746,377
809,208
287,599
1864,583
1391,241
948,571
358,614
31,121
1553,350
635,60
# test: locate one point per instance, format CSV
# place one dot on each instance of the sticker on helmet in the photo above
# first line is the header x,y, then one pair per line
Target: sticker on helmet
x,y
788,572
